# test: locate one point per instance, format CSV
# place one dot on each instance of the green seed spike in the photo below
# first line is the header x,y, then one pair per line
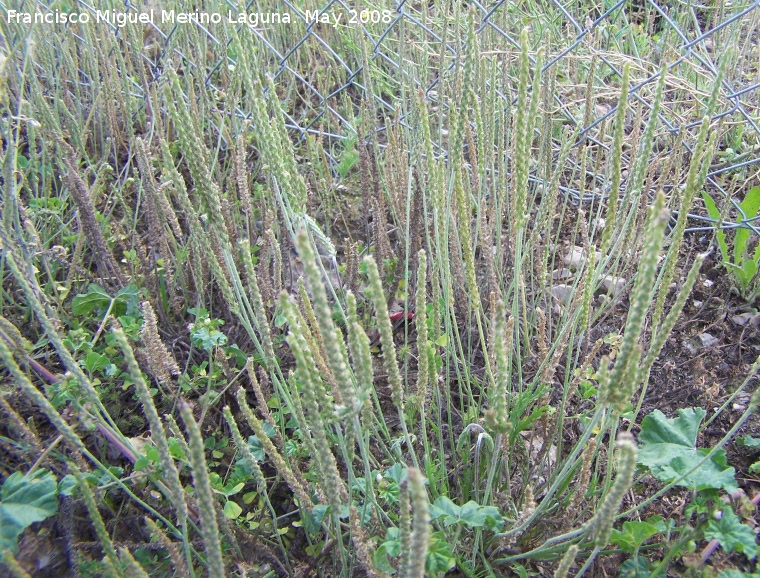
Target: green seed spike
x,y
386,333
617,159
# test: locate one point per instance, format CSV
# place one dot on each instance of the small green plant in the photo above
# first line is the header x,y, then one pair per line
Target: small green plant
x,y
732,534
743,262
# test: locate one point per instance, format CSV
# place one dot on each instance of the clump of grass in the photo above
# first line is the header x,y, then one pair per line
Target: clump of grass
x,y
422,450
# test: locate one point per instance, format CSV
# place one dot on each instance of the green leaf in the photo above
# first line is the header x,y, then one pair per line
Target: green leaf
x,y
443,507
732,573
25,500
396,472
96,362
748,441
232,510
749,206
380,558
732,535
739,274
230,490
471,514
714,213
125,301
636,567
95,298
439,557
633,535
668,449
67,485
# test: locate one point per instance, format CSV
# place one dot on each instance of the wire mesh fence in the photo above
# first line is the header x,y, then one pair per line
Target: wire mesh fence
x,y
328,59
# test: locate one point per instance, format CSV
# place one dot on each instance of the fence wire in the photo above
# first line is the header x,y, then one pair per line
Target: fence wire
x,y
322,68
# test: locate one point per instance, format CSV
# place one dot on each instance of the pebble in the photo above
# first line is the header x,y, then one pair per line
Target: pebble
x,y
747,318
707,339
563,293
613,285
575,257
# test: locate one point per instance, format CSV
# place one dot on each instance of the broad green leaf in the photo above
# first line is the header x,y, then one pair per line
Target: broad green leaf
x,y
396,472
67,485
749,206
636,567
443,507
732,535
125,301
25,500
230,490
232,510
95,298
380,558
668,449
319,512
439,557
471,515
748,441
493,518
633,535
95,362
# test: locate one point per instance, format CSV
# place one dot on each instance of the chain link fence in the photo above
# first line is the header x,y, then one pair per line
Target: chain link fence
x,y
328,58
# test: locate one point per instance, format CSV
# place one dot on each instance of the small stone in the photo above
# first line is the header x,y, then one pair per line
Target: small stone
x,y
563,293
560,274
576,257
707,339
708,283
689,347
697,304
742,319
613,285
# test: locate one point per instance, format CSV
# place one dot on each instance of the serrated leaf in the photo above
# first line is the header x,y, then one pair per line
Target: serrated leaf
x,y
732,535
668,449
25,500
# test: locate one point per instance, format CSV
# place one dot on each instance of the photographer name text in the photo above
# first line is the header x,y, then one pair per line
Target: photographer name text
x,y
121,19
